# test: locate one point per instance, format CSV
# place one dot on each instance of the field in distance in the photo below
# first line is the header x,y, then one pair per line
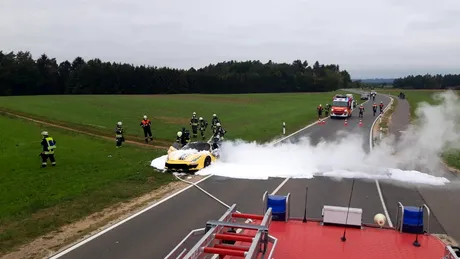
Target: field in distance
x,y
246,116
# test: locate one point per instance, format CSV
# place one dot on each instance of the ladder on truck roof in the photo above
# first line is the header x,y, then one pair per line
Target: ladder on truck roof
x,y
220,238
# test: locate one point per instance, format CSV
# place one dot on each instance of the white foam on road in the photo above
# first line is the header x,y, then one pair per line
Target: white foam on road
x,y
418,148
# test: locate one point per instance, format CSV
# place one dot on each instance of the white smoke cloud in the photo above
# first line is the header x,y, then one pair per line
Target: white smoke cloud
x,y
415,158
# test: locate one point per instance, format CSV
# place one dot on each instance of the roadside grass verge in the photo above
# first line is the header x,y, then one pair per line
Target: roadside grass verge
x,y
414,97
91,174
245,116
386,118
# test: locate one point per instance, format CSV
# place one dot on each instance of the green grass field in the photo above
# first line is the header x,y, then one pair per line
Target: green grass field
x,y
414,97
90,175
248,116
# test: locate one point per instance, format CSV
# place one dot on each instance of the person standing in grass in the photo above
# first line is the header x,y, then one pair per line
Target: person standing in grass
x,y
194,123
119,134
214,122
145,124
49,145
203,126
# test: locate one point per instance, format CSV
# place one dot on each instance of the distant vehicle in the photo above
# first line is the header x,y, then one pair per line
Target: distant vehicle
x,y
373,92
365,96
342,106
191,157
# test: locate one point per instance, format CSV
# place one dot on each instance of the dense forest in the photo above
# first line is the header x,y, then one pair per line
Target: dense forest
x,y
428,82
20,74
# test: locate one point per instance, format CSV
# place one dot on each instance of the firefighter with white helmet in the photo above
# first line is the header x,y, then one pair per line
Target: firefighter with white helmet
x,y
49,145
119,138
219,132
194,123
203,126
146,126
214,121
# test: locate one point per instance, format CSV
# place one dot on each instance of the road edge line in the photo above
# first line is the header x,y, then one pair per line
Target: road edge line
x,y
72,247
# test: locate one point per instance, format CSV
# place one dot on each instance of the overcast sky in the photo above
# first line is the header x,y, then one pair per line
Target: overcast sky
x,y
369,38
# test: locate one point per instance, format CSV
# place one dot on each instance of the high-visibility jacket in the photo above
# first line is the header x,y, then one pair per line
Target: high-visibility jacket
x,y
145,123
49,145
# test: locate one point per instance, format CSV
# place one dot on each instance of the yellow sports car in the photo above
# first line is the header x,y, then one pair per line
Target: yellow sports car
x,y
191,157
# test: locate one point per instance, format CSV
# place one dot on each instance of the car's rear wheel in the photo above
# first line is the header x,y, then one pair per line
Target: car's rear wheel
x,y
207,162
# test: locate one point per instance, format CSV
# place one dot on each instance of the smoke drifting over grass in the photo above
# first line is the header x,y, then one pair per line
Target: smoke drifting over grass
x,y
414,158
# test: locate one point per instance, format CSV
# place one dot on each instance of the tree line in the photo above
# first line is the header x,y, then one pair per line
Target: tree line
x,y
428,81
20,74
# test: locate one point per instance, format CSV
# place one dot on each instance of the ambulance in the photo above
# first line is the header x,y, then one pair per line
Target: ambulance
x,y
342,106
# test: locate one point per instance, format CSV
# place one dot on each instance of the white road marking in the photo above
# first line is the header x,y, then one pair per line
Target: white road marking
x,y
387,215
72,247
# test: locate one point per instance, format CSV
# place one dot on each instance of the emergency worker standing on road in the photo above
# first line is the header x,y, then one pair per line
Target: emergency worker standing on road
x,y
381,107
203,126
214,121
326,111
186,135
194,123
320,111
361,110
49,145
119,134
146,124
374,108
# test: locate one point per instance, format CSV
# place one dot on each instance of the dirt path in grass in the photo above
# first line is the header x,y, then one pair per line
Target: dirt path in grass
x,y
50,243
8,113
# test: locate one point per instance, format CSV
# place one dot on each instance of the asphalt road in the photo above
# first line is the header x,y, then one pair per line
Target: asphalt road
x,y
155,232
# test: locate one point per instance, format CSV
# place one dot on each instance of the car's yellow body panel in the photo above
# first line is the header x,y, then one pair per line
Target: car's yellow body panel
x,y
188,159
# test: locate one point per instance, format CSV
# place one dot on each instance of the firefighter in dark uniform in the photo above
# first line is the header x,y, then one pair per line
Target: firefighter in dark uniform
x,y
219,133
381,107
361,111
183,137
320,111
119,134
203,126
374,108
49,145
145,124
194,123
214,121
326,110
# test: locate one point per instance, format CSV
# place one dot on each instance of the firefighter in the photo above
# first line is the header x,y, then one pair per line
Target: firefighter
x,y
219,133
214,121
49,145
194,123
203,126
181,138
320,111
119,134
361,110
374,108
185,135
146,124
381,107
326,110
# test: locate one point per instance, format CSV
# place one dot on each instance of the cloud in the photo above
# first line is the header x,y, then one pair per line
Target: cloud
x,y
368,38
